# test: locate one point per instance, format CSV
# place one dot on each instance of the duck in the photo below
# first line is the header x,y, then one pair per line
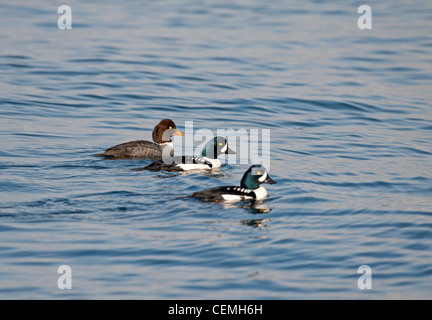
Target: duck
x,y
208,160
250,188
162,147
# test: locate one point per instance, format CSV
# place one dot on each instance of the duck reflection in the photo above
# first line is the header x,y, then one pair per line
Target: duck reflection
x,y
215,173
256,223
253,206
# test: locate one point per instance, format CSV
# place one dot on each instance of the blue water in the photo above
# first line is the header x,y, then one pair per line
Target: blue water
x,y
349,113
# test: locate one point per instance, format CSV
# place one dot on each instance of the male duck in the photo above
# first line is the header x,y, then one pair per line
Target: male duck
x,y
250,187
208,160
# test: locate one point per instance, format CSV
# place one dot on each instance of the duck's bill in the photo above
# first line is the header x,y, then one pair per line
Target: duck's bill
x,y
229,151
269,180
178,133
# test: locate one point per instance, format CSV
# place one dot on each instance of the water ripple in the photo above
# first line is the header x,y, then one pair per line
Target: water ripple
x,y
349,116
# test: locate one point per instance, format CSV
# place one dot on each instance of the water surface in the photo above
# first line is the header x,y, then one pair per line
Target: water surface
x,y
349,113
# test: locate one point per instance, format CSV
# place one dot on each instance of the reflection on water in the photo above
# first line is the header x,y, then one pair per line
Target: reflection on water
x,y
252,206
255,222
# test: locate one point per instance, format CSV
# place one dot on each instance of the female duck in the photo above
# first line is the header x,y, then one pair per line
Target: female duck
x,y
162,147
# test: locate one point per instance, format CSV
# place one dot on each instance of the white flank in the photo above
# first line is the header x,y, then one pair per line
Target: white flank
x,y
215,162
231,197
192,166
261,193
195,166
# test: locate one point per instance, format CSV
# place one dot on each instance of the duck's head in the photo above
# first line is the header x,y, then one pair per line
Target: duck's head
x,y
164,131
216,147
254,176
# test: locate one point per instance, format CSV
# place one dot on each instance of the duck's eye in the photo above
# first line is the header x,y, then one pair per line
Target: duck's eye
x,y
259,172
220,143
170,127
